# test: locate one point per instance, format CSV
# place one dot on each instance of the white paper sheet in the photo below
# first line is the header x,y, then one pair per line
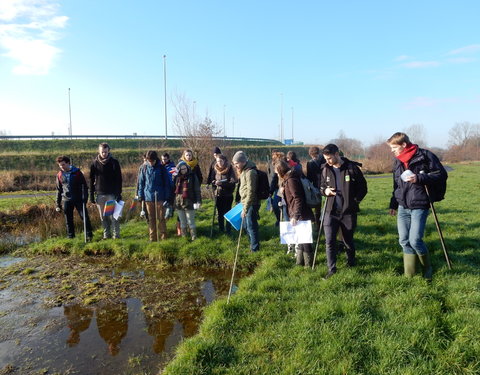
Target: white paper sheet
x,y
300,233
117,212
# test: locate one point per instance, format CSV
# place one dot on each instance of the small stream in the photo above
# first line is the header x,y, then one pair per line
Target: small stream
x,y
122,337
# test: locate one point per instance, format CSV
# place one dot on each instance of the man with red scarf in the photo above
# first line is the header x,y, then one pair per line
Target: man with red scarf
x,y
413,169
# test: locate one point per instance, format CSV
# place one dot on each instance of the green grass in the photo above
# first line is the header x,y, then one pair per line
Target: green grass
x,y
367,320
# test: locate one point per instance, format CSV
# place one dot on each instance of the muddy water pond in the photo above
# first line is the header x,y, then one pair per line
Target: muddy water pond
x,y
98,316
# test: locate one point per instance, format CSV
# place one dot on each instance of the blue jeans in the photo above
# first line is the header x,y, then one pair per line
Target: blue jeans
x,y
411,227
250,223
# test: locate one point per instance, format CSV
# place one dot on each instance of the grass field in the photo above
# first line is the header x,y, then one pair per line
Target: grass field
x,y
367,320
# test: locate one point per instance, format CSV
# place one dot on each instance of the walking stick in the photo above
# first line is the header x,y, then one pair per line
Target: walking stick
x,y
319,232
214,210
235,263
439,230
84,217
156,216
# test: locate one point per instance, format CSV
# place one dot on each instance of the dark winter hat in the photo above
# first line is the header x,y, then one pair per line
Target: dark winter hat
x,y
239,157
216,150
180,164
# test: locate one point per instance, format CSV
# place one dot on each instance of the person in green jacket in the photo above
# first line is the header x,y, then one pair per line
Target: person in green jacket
x,y
248,196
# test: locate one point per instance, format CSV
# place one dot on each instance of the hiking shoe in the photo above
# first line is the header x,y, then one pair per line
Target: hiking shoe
x,y
328,275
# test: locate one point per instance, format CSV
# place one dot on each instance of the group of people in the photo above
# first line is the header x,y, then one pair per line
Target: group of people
x,y
164,186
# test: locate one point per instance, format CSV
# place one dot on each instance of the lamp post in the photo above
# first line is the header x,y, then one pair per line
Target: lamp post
x,y
224,135
70,114
165,89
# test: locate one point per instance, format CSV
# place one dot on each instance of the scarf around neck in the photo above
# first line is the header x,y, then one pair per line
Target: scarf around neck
x,y
182,186
223,170
192,163
407,154
104,160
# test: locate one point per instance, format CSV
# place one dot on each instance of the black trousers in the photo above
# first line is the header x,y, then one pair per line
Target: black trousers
x,y
346,224
224,204
68,207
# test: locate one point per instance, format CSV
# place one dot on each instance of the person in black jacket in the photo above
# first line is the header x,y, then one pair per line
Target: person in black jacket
x,y
106,182
72,193
211,170
344,185
314,172
223,182
413,169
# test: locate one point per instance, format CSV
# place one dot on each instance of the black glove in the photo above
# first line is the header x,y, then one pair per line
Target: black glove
x,y
119,197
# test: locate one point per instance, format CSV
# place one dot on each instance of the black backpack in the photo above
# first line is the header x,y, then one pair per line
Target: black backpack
x,y
263,187
435,191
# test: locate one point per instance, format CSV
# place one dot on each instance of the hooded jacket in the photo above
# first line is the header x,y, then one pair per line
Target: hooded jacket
x,y
353,185
428,169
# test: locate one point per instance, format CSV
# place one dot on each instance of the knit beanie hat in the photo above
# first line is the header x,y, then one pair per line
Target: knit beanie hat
x,y
239,157
216,150
180,164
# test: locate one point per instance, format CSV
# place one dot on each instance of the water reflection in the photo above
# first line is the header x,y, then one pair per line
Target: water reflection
x,y
78,320
129,325
112,324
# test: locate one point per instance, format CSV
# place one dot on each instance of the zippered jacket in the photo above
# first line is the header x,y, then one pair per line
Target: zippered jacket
x,y
353,185
154,179
426,165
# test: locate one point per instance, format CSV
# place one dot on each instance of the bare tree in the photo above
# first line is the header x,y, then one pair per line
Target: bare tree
x,y
462,132
464,142
417,134
351,148
197,135
379,157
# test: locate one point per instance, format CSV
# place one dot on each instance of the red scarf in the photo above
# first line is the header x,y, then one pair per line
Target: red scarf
x,y
407,154
292,163
182,187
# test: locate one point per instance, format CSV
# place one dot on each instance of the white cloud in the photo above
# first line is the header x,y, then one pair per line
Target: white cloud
x,y
421,64
401,58
465,50
462,60
28,33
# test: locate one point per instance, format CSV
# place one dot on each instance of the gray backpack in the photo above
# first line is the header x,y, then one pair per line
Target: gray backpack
x,y
313,197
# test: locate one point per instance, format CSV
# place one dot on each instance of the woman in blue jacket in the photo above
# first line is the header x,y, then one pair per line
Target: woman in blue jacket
x,y
154,185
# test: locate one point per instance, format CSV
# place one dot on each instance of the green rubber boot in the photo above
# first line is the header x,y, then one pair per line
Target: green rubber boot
x,y
426,266
409,264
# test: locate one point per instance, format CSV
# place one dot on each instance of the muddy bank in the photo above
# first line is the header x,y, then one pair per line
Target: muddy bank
x,y
69,315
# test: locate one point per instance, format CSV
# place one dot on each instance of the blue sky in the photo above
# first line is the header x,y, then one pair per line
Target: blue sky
x,y
368,68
